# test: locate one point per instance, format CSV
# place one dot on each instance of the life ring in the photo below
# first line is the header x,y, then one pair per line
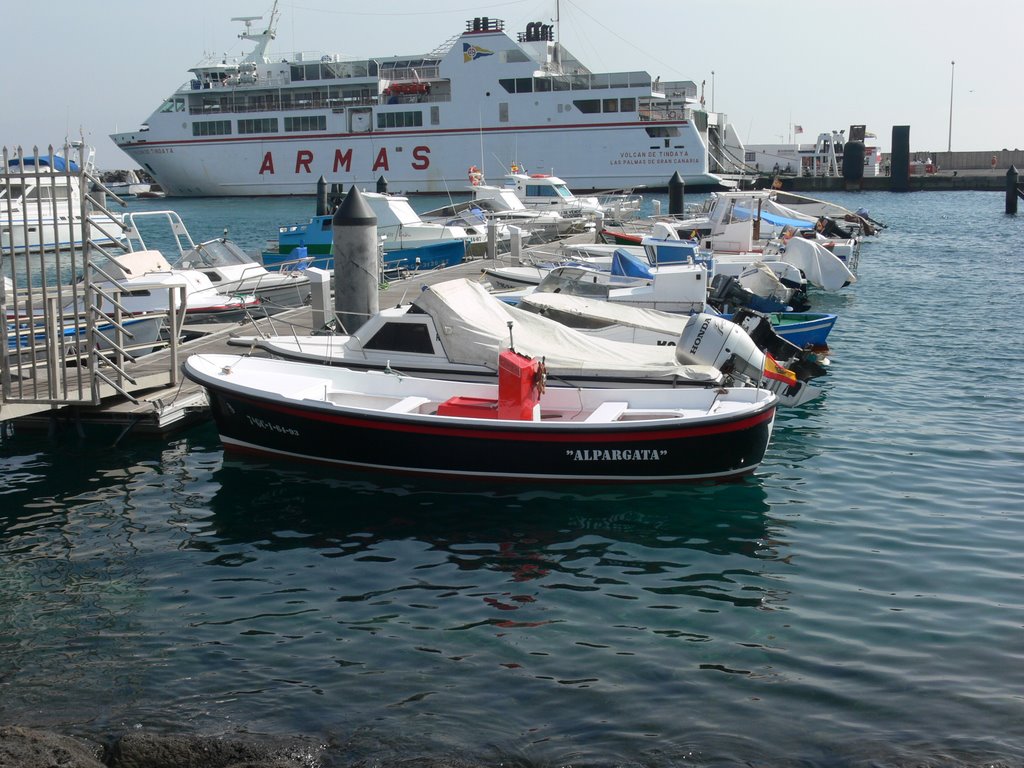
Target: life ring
x,y
671,115
541,378
475,177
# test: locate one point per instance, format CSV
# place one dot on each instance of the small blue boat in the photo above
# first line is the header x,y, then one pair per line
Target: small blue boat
x,y
442,253
802,328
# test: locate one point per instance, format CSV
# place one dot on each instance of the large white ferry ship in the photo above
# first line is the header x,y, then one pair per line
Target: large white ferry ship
x,y
273,125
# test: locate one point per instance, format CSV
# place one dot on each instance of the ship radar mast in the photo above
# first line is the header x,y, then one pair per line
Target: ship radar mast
x,y
262,39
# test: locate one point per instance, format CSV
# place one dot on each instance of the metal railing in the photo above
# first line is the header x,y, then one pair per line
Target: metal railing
x,y
69,339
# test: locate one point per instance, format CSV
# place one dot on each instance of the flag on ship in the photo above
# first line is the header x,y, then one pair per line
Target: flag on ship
x,y
473,52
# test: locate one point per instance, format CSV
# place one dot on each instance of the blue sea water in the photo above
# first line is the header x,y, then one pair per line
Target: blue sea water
x,y
859,601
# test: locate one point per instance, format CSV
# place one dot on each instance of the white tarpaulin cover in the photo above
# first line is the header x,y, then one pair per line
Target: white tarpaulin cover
x,y
608,312
473,325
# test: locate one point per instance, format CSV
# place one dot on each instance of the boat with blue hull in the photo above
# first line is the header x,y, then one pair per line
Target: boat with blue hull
x,y
412,258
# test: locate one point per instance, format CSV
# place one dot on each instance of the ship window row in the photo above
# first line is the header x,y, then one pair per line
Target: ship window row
x,y
594,106
335,96
258,125
211,128
399,119
576,82
412,69
332,70
305,123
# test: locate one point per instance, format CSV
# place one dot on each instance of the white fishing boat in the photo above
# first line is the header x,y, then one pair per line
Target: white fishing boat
x,y
41,202
514,428
263,124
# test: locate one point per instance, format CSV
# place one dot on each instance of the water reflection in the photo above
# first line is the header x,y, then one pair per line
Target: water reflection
x,y
274,508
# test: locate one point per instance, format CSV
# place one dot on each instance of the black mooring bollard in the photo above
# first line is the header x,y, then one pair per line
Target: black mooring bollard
x,y
899,175
676,194
1011,189
321,197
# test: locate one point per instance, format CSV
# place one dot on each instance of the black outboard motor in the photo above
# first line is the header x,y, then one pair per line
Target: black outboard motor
x,y
727,294
804,363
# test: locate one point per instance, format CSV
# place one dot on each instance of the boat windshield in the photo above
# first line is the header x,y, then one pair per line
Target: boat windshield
x,y
574,281
215,253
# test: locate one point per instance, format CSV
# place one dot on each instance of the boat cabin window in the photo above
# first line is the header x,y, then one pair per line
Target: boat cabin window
x,y
402,337
548,190
46,194
588,106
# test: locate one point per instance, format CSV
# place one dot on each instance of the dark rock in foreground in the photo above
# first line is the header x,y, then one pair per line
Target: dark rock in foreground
x,y
27,748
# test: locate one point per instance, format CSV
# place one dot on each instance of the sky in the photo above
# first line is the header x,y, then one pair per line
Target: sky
x,y
102,66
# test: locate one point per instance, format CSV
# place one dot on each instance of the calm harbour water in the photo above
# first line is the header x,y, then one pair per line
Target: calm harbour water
x,y
860,600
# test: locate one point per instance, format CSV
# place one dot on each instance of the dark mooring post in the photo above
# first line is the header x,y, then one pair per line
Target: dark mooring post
x,y
1011,189
899,180
356,275
321,197
676,194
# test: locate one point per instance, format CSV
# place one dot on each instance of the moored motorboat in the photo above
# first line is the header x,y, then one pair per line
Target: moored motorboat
x,y
455,329
230,269
514,429
41,203
146,282
409,242
770,361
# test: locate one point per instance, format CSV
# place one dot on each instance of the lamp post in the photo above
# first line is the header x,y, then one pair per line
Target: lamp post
x,y
712,90
952,71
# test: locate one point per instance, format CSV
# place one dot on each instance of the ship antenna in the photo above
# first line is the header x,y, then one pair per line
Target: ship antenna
x,y
262,39
558,35
511,346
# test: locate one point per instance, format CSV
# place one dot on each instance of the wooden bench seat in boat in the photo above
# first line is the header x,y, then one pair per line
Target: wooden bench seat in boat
x,y
609,411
